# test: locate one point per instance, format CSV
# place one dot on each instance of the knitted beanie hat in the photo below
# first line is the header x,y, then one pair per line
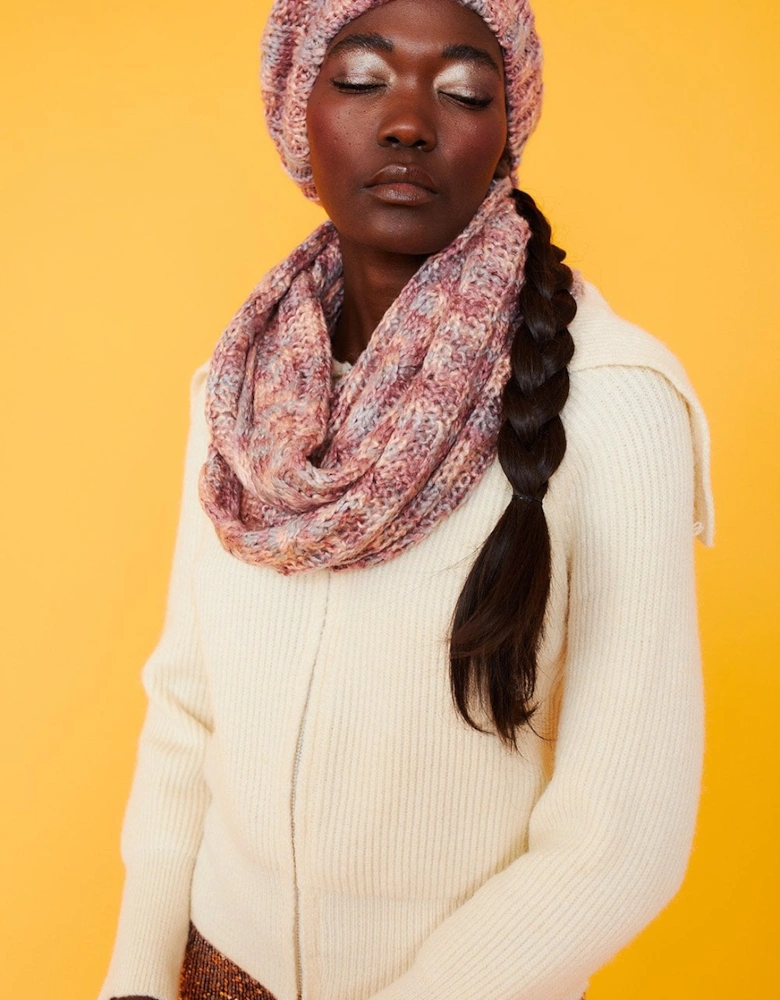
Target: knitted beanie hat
x,y
296,39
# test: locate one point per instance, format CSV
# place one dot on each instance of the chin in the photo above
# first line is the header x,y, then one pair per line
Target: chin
x,y
405,233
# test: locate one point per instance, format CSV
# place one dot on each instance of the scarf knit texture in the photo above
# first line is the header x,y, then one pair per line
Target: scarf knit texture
x,y
303,474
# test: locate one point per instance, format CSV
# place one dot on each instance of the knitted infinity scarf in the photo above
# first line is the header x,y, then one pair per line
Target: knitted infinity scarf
x,y
301,474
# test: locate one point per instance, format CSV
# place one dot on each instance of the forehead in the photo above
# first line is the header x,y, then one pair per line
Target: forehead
x,y
424,25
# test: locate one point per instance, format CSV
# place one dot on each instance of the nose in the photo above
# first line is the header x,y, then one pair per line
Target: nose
x,y
407,123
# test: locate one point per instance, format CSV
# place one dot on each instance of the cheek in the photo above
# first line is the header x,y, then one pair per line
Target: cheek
x,y
478,145
331,135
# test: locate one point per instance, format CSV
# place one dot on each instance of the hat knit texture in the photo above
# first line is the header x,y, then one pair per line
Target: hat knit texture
x,y
296,39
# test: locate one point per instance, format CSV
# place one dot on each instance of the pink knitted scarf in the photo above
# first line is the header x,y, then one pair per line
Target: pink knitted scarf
x,y
302,474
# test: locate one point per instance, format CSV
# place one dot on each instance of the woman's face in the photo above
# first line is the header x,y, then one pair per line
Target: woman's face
x,y
407,125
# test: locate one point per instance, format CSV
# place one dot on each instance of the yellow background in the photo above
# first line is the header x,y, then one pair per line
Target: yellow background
x,y
142,201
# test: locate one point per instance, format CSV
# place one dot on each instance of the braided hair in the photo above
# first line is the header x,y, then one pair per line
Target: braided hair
x,y
499,616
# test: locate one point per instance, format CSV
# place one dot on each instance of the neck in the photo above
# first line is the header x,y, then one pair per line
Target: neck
x,y
373,280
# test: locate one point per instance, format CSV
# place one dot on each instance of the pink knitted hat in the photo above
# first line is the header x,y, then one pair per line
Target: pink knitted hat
x,y
298,34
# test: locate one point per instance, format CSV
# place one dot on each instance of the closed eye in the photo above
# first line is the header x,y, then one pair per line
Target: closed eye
x,y
355,88
470,102
350,87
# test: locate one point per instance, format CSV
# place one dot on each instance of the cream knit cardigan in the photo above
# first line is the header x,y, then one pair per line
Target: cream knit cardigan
x,y
307,794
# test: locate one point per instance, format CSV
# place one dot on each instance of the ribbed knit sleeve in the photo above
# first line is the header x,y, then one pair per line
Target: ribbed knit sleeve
x,y
163,820
611,834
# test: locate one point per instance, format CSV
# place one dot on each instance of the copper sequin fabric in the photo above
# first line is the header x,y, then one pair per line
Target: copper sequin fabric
x,y
208,975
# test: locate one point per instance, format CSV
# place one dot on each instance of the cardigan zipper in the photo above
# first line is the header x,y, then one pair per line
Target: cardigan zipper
x,y
293,795
297,917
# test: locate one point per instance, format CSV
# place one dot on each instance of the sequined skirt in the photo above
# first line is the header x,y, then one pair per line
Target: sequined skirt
x,y
208,975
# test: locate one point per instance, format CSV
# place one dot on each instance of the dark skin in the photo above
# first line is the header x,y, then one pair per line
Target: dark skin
x,y
417,84
412,84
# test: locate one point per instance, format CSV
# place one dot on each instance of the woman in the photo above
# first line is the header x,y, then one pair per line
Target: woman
x,y
425,720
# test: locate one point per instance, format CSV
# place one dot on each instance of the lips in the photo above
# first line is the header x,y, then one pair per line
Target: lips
x,y
404,173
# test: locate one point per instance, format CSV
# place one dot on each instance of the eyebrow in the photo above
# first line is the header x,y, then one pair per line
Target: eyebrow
x,y
370,43
469,53
378,43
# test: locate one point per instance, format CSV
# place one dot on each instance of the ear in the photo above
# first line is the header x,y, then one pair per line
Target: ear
x,y
504,168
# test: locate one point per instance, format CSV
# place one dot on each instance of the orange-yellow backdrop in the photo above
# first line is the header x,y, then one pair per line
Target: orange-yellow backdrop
x,y
142,201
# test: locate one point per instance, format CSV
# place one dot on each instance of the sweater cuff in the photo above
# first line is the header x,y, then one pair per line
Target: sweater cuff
x,y
153,927
409,986
414,984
